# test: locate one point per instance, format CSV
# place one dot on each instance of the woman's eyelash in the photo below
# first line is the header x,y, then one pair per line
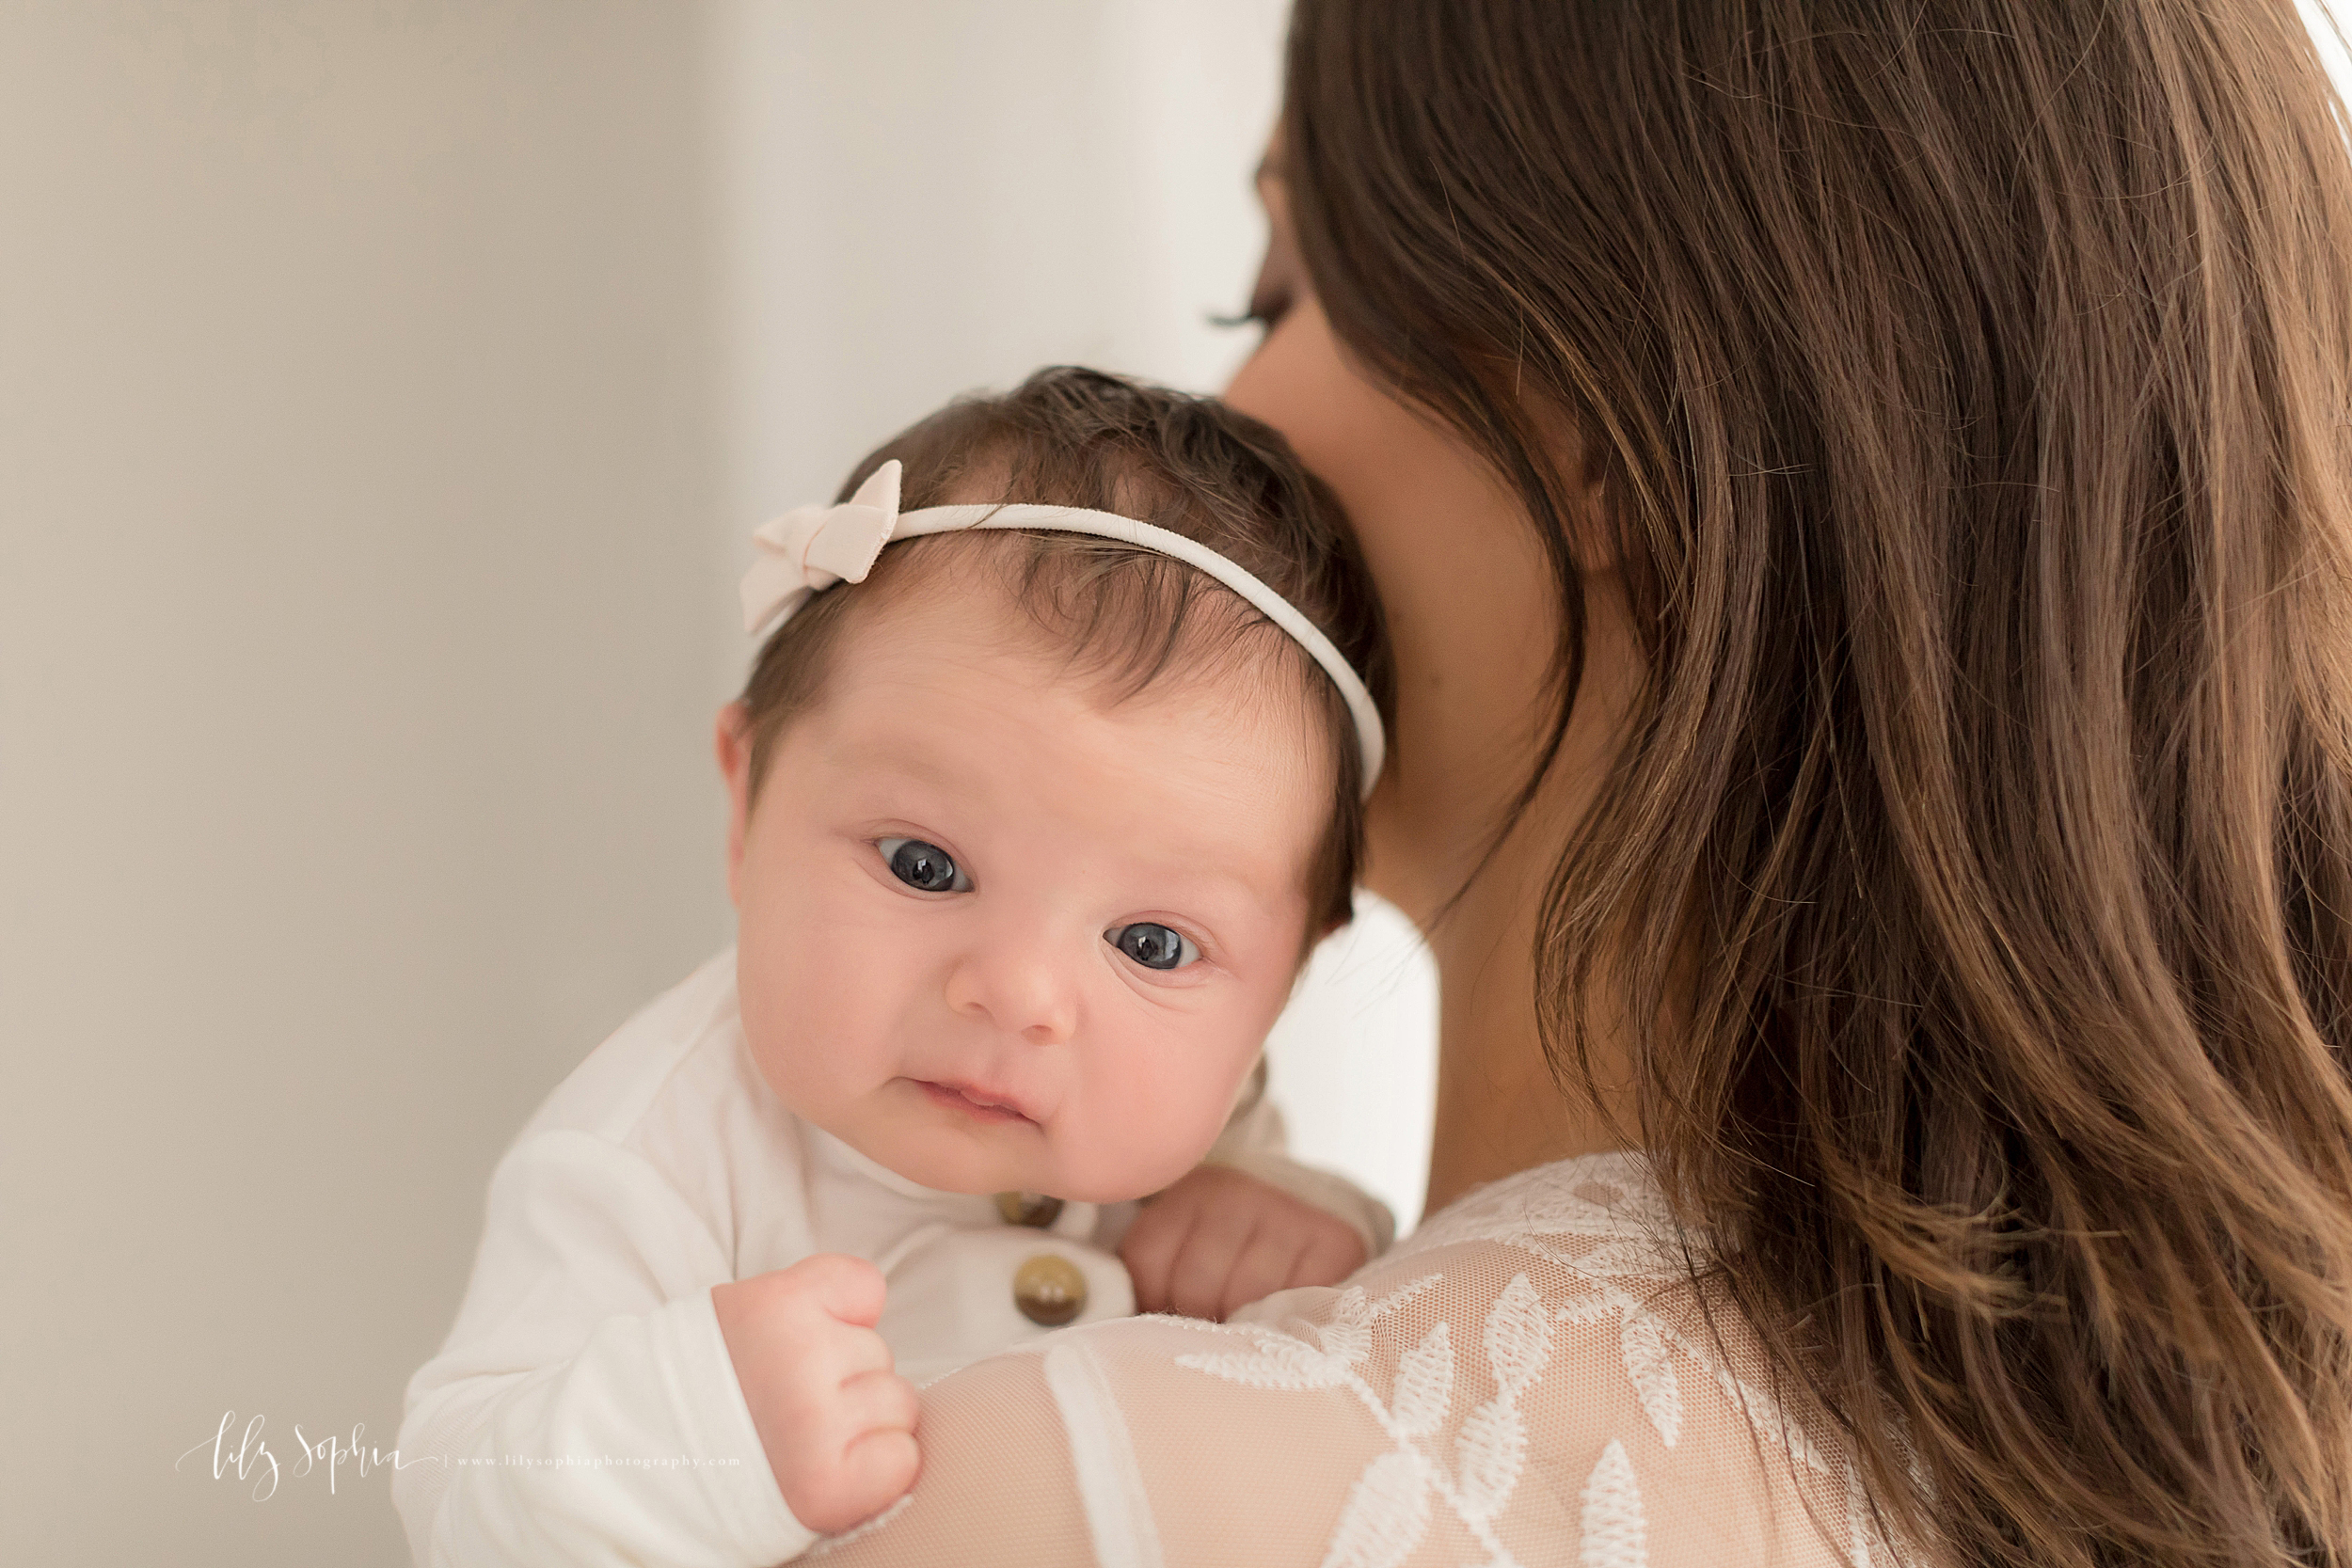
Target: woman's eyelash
x,y
1263,310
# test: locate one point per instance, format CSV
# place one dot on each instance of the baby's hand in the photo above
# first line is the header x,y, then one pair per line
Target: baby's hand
x,y
837,1423
1218,1240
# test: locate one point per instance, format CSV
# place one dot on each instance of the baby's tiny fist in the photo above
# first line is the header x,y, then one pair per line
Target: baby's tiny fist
x,y
837,1423
1220,1239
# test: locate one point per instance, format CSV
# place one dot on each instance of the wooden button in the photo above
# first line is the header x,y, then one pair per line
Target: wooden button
x,y
1049,1290
1030,1209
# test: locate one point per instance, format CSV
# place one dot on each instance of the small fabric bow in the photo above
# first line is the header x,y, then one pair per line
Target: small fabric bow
x,y
810,548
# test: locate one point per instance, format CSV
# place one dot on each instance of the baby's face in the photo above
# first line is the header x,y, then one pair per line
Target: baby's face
x,y
998,933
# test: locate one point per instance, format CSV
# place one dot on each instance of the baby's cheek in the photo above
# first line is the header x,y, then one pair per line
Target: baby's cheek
x,y
777,1018
1148,1125
800,985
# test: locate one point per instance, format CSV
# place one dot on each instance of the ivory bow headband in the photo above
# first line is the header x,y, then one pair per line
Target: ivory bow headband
x,y
810,548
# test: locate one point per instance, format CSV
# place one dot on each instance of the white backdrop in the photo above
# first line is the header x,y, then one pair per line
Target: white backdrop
x,y
389,388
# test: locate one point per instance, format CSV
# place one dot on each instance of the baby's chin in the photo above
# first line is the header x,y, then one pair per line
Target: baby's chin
x,y
984,1165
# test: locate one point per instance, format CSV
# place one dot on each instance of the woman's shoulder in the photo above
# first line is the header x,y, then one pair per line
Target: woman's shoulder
x,y
1550,1361
1541,1373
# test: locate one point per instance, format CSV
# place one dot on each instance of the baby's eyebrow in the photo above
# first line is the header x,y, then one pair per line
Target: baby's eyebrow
x,y
868,758
1200,883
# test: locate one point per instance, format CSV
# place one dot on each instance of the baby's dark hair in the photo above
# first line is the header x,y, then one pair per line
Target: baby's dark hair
x,y
1123,614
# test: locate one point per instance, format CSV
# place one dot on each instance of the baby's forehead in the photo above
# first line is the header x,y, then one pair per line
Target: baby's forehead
x,y
1121,623
960,646
952,701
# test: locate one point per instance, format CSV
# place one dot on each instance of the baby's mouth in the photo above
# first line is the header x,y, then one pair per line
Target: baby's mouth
x,y
973,1101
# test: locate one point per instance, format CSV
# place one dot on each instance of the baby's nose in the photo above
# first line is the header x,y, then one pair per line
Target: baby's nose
x,y
1020,989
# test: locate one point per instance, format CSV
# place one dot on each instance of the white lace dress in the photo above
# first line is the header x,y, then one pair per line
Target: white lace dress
x,y
1531,1378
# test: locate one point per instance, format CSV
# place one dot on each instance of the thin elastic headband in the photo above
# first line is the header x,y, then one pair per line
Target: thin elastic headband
x,y
808,551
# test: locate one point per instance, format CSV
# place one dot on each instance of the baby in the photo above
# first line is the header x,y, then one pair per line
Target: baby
x,y
1031,832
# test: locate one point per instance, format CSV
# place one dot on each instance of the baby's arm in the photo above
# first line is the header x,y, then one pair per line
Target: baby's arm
x,y
1249,1221
585,1408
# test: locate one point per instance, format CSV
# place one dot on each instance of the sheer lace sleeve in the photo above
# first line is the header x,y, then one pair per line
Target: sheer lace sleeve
x,y
1530,1379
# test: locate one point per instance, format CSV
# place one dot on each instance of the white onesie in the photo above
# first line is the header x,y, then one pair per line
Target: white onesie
x,y
584,1409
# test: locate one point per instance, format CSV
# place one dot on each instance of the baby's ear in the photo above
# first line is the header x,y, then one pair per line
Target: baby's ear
x,y
732,744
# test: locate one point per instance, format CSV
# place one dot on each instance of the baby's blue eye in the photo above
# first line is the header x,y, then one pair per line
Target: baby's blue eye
x,y
1153,945
922,865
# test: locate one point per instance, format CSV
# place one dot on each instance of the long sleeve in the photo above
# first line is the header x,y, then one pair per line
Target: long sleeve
x,y
584,1410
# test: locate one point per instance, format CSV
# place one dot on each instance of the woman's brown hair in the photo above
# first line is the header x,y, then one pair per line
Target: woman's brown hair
x,y
1117,614
1968,383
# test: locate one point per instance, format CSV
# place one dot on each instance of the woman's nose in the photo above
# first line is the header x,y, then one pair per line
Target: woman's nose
x,y
1018,988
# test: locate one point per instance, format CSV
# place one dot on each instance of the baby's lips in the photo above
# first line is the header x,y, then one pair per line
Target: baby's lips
x,y
984,1100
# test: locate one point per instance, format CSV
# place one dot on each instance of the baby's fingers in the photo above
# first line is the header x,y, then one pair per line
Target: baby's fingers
x,y
1195,1285
1332,1256
848,1290
1150,1250
861,1452
881,1460
1264,1266
876,1471
877,1401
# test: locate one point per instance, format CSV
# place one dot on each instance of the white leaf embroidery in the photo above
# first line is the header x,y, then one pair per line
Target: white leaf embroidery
x,y
1488,1453
1346,1343
1279,1362
1425,1385
1628,1258
1397,1298
1387,1513
1649,1363
1602,1234
1614,1533
1347,1333
1519,1336
1585,1309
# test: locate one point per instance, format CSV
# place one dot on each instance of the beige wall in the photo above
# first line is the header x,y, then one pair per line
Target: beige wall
x,y
361,589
